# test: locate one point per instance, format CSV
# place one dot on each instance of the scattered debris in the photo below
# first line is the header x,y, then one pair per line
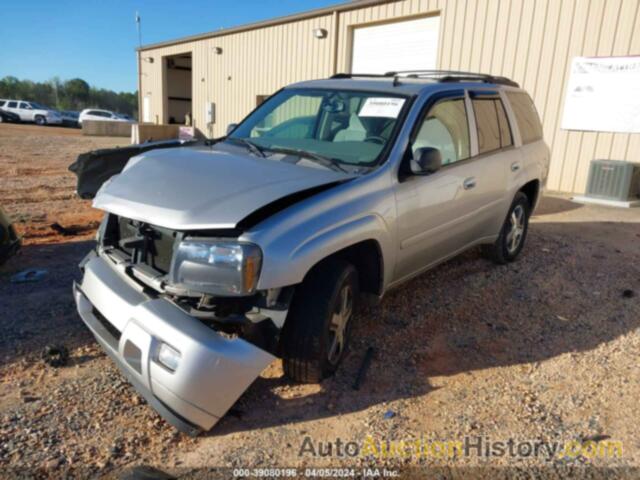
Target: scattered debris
x,y
55,355
389,414
595,438
74,230
30,275
362,371
628,293
144,472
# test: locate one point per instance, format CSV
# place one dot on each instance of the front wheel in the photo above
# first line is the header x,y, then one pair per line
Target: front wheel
x,y
40,120
316,334
513,233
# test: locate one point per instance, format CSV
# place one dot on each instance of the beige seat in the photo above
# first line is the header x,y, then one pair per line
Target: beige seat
x,y
355,131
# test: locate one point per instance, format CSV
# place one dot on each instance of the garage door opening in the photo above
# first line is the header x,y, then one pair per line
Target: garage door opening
x,y
179,82
404,45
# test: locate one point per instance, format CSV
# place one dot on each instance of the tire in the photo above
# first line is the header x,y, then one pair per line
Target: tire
x,y
323,305
40,120
507,248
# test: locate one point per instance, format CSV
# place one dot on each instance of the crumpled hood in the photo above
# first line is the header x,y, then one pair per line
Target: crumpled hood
x,y
189,188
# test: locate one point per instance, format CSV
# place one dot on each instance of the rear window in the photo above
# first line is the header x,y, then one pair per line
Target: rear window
x,y
526,116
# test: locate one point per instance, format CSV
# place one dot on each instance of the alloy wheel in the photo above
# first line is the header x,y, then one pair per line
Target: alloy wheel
x,y
516,229
339,322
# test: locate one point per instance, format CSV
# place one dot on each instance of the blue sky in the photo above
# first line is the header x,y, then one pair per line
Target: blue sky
x,y
95,39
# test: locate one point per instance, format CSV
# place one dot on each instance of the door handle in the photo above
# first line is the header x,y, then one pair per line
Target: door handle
x,y
469,183
515,167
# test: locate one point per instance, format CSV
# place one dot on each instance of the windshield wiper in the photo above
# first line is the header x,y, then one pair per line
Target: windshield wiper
x,y
253,148
321,159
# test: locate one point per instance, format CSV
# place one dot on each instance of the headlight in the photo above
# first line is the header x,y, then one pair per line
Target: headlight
x,y
216,267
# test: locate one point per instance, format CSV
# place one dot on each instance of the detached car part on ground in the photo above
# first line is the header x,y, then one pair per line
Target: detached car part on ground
x,y
9,240
213,260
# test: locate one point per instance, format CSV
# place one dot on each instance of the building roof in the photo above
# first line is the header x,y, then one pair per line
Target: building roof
x,y
342,7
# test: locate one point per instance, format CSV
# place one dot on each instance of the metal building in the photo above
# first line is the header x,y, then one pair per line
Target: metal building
x,y
219,77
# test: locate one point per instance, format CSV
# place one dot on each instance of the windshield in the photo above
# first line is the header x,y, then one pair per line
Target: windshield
x,y
344,127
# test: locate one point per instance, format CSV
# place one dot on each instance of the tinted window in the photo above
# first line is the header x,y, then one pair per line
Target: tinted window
x,y
2,102
24,105
492,124
526,116
487,124
12,105
446,128
506,139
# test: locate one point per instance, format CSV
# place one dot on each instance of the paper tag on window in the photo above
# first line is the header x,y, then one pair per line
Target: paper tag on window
x,y
381,107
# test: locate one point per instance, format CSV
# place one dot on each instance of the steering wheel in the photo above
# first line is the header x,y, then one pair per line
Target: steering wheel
x,y
375,139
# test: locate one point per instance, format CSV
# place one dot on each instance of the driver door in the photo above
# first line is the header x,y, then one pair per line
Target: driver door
x,y
434,210
25,112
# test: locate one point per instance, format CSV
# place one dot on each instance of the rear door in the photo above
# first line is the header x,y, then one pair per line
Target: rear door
x,y
12,106
495,154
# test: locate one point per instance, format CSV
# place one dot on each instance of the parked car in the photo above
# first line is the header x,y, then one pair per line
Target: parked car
x,y
8,116
9,240
31,112
104,115
213,260
70,118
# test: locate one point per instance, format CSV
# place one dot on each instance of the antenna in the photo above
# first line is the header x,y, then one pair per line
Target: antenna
x,y
139,28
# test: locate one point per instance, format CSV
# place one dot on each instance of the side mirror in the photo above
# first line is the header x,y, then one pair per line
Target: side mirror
x,y
231,127
425,161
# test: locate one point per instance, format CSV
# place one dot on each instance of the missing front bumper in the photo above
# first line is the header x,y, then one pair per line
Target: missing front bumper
x,y
130,325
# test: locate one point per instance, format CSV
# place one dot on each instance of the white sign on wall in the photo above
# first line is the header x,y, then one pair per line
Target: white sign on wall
x,y
603,95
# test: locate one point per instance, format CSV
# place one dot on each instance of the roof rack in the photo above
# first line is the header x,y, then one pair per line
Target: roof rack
x,y
437,75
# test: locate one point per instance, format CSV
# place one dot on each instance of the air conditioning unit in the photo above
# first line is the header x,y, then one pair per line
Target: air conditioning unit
x,y
614,181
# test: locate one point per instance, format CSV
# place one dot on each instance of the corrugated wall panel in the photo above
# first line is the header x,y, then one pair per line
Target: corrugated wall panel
x,y
531,41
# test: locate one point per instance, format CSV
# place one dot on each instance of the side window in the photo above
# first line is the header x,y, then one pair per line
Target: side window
x,y
506,139
526,116
25,105
12,105
2,102
491,121
446,128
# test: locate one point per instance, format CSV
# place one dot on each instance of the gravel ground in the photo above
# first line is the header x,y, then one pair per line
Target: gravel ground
x,y
544,349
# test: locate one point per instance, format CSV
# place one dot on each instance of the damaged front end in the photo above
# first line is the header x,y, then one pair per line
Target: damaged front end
x,y
188,349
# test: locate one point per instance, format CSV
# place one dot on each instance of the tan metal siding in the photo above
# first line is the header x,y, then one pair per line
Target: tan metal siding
x,y
531,41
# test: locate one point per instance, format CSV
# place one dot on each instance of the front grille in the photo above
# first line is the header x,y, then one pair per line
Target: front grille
x,y
147,244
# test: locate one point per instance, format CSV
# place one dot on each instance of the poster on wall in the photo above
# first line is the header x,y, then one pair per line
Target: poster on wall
x,y
603,95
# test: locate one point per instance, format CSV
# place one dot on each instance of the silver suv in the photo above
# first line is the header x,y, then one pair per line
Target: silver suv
x,y
215,259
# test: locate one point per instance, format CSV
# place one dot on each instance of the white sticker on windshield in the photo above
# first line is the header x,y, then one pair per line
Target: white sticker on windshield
x,y
381,107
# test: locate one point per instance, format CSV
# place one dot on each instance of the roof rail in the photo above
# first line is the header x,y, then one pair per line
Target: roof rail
x,y
339,76
437,75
